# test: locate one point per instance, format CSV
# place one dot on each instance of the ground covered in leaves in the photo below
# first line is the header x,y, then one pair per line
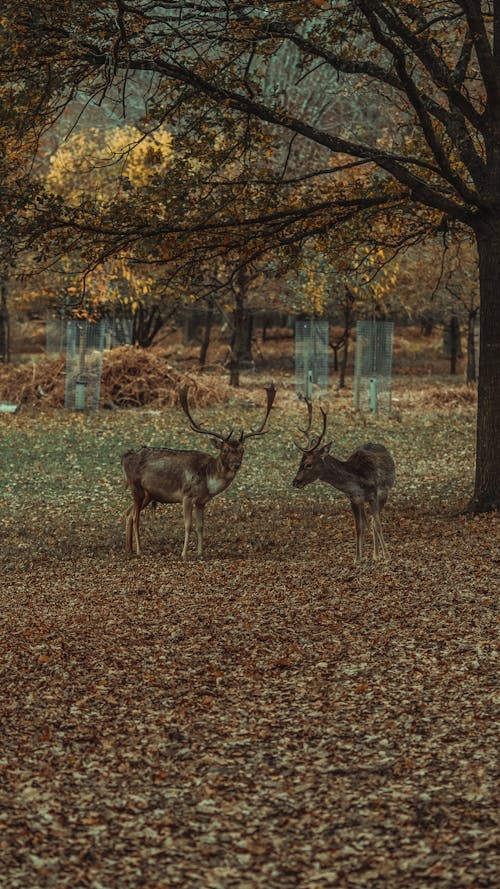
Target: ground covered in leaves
x,y
271,716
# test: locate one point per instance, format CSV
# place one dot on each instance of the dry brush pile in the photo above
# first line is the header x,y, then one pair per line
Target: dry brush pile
x,y
131,377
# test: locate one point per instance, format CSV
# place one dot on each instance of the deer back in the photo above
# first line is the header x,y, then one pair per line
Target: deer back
x,y
369,471
373,462
168,475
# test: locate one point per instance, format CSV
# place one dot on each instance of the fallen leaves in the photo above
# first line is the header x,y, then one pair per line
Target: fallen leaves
x,y
269,717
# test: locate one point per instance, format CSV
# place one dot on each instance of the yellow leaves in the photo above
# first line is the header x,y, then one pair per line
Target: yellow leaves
x,y
100,162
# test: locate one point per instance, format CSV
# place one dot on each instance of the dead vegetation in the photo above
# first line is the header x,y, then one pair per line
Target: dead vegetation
x,y
131,377
134,377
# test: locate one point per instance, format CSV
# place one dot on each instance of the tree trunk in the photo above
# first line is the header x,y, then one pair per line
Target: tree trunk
x,y
335,357
348,323
146,323
240,340
4,326
487,483
343,362
237,342
205,342
248,336
471,347
454,344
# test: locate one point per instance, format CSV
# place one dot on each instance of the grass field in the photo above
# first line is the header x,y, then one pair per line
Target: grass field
x,y
271,716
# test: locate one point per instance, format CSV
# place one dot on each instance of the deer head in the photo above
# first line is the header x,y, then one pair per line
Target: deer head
x,y
311,465
230,449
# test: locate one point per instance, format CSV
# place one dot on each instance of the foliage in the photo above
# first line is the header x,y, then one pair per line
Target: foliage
x,y
230,107
94,170
99,165
92,174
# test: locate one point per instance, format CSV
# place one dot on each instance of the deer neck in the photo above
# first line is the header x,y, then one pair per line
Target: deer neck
x,y
336,473
219,477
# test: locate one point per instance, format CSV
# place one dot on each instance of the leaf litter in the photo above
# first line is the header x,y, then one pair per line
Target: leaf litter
x,y
271,716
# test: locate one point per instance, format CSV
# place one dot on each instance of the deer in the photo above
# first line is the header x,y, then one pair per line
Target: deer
x,y
366,477
192,478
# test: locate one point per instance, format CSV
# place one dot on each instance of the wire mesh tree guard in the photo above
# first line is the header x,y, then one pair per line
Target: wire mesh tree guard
x,y
373,366
311,356
84,348
117,332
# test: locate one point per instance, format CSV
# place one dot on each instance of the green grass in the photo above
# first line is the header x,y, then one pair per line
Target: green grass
x,y
62,473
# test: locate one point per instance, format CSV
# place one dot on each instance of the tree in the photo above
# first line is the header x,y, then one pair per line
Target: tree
x,y
93,168
429,75
460,283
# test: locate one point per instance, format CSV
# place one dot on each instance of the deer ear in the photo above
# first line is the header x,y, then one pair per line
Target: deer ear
x,y
326,448
216,443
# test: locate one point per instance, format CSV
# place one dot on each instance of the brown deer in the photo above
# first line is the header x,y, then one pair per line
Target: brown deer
x,y
366,477
166,475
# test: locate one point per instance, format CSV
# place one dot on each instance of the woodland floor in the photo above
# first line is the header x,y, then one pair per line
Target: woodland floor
x,y
271,716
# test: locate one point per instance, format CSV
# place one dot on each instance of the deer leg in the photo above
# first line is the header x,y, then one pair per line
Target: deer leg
x,y
383,545
358,510
376,536
141,500
131,518
378,526
198,524
375,523
187,509
136,512
379,547
129,521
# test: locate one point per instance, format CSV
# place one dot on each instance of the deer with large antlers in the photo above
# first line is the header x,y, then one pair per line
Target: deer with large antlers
x,y
366,477
165,475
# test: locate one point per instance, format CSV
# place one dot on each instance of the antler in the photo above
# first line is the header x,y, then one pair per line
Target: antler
x,y
312,444
194,425
271,394
322,435
307,431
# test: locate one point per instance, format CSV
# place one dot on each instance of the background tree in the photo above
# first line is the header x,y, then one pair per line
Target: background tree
x,y
97,167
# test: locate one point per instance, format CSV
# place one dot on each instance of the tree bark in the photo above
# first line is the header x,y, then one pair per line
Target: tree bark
x,y
146,323
487,482
454,343
471,347
248,336
4,325
205,342
348,323
241,342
